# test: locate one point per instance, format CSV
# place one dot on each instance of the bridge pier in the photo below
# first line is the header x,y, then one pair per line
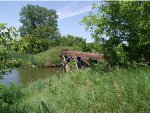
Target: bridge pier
x,y
80,59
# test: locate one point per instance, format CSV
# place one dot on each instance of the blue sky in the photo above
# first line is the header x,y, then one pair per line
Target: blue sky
x,y
70,13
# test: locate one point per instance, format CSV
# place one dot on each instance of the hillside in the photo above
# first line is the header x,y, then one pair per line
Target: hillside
x,y
51,56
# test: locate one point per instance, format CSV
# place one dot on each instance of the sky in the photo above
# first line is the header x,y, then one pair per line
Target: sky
x,y
70,13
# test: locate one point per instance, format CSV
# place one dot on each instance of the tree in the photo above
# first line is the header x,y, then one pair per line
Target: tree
x,y
6,35
122,28
74,41
38,21
32,45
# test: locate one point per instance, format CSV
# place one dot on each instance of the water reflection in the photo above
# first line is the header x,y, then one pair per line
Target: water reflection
x,y
11,77
28,75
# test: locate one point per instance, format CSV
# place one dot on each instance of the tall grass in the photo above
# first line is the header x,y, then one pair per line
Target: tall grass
x,y
51,56
19,55
87,91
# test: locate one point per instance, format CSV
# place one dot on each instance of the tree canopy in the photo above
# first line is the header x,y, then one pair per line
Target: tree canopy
x,y
74,41
122,28
38,21
6,36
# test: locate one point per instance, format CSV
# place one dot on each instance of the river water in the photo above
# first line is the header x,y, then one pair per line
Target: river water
x,y
28,75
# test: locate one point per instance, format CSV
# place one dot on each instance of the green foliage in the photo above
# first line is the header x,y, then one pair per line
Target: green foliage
x,y
7,64
32,45
100,67
20,57
38,21
16,45
121,90
6,35
77,42
93,47
3,66
39,28
9,95
51,56
121,28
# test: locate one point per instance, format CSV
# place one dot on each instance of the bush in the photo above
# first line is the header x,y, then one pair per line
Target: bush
x,y
33,45
100,67
9,95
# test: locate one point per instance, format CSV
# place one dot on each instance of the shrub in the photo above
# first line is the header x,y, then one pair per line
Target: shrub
x,y
9,95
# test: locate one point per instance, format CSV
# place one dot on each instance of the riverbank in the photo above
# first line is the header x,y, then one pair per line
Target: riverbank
x,y
87,91
47,58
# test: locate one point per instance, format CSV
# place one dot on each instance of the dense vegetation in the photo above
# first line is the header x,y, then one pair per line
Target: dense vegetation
x,y
119,84
38,21
38,33
122,30
32,45
122,90
48,57
6,35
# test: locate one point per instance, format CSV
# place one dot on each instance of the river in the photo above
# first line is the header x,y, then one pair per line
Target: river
x,y
28,75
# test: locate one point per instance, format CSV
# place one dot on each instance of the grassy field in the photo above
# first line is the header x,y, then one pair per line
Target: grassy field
x,y
50,56
87,91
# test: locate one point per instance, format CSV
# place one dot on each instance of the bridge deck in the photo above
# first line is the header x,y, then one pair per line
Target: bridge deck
x,y
93,56
80,58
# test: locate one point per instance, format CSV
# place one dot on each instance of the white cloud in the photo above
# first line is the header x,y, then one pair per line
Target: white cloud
x,y
74,9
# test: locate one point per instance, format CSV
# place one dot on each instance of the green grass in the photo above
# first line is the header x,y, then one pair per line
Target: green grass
x,y
51,56
87,91
19,55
